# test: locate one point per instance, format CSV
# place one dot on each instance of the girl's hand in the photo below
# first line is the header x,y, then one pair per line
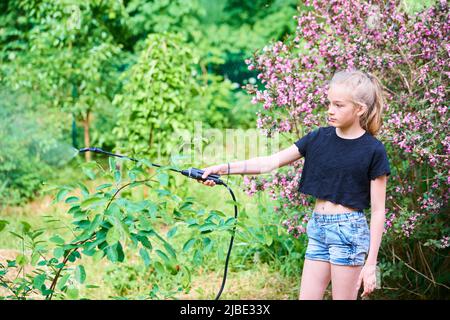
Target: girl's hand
x,y
218,169
369,276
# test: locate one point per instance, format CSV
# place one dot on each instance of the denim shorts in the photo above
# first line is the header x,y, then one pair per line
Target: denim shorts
x,y
341,239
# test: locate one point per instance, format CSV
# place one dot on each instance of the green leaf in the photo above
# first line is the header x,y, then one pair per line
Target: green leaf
x,y
90,228
152,209
36,234
111,253
207,227
172,232
80,274
21,260
112,164
74,209
89,252
186,206
206,242
3,224
25,226
35,258
115,252
163,179
72,293
89,173
216,213
16,235
62,282
117,176
188,245
57,239
145,242
11,263
95,223
38,281
113,235
186,277
163,256
170,250
91,201
104,186
73,256
230,221
98,256
198,258
113,210
146,163
72,199
132,175
159,267
84,189
269,240
120,254
162,193
145,256
61,195
58,252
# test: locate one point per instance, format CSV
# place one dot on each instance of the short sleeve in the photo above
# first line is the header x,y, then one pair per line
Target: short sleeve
x,y
380,163
303,142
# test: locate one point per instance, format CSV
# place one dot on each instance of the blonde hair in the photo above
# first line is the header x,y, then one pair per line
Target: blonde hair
x,y
366,90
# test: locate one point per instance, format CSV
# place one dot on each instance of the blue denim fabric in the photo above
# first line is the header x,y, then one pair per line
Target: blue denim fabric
x,y
341,239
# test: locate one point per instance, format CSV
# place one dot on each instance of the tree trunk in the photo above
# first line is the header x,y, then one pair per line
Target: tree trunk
x,y
87,140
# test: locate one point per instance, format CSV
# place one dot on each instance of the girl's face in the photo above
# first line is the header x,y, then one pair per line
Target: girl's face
x,y
341,111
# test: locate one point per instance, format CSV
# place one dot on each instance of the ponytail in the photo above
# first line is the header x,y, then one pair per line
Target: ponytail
x,y
371,120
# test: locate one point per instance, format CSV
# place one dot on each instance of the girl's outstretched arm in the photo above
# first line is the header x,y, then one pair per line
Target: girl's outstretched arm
x,y
257,165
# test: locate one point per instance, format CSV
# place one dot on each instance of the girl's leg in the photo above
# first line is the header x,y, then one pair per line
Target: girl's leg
x,y
315,279
343,281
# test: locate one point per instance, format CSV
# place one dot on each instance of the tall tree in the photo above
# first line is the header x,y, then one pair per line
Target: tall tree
x,y
70,57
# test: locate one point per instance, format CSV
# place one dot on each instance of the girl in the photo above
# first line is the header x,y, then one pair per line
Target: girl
x,y
346,170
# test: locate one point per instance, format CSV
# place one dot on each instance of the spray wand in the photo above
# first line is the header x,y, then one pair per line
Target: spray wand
x,y
192,173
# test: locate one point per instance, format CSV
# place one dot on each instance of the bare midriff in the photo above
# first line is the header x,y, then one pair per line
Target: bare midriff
x,y
326,207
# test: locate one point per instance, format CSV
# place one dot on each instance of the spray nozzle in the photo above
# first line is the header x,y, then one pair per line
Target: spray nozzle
x,y
195,173
93,149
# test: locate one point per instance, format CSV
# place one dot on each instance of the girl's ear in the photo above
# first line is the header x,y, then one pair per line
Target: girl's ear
x,y
360,109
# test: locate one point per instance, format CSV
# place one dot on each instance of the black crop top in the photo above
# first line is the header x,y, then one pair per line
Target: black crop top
x,y
339,170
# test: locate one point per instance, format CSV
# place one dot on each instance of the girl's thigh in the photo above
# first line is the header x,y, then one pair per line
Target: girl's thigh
x,y
316,276
344,280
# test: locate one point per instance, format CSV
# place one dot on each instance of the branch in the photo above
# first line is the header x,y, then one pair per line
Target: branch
x,y
418,272
55,279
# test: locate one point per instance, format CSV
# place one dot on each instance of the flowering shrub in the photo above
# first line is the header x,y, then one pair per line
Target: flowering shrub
x,y
410,54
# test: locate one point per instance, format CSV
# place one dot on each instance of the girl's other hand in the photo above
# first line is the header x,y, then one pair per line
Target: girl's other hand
x,y
369,278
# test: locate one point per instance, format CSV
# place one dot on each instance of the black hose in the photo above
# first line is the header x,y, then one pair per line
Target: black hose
x,y
230,246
